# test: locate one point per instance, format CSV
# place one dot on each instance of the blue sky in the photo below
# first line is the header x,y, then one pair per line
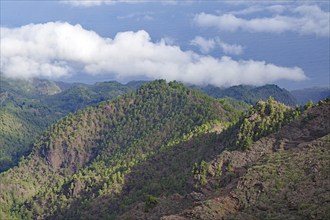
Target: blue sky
x,y
198,42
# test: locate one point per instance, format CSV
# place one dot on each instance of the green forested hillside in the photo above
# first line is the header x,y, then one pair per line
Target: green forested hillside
x,y
266,117
29,106
167,151
23,116
283,175
85,157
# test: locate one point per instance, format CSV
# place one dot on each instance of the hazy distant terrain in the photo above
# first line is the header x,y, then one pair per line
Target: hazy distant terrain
x,y
315,94
251,94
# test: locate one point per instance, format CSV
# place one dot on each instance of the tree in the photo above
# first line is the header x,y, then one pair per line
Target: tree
x,y
150,202
308,105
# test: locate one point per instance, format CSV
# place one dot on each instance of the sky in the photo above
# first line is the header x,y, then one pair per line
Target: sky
x,y
222,43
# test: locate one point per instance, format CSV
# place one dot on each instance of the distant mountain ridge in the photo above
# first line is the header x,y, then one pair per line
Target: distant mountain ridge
x,y
315,94
250,94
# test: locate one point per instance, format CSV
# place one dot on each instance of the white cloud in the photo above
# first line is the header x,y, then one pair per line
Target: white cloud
x,y
138,16
87,3
207,45
91,3
234,49
58,49
306,19
277,8
168,40
260,8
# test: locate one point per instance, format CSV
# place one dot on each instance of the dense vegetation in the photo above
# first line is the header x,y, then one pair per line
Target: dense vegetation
x,y
23,116
283,175
87,155
162,150
28,107
263,119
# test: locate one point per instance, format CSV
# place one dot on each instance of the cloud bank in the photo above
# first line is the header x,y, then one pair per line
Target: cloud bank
x,y
59,50
305,19
207,45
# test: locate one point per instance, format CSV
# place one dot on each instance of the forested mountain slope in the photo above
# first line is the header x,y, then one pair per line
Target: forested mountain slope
x,y
83,160
29,106
284,175
170,152
24,115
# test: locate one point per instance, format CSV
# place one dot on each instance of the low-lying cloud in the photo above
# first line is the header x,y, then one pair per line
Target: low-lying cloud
x,y
305,19
57,50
